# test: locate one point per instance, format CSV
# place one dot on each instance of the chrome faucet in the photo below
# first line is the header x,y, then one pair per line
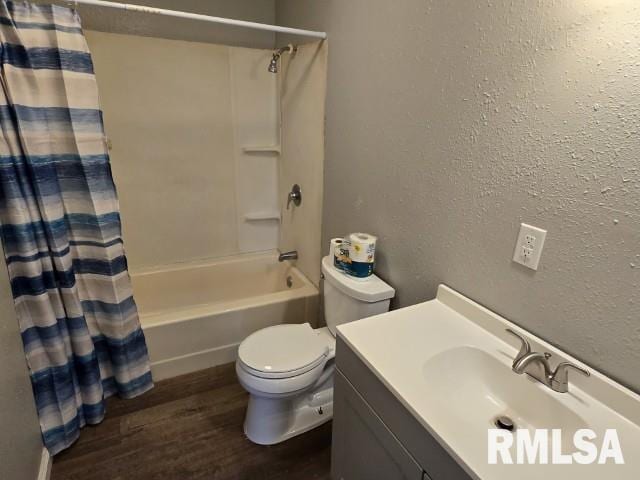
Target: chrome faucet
x,y
295,196
536,365
560,379
292,255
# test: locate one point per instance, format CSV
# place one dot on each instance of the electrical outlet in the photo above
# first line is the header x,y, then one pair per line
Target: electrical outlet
x,y
530,240
529,246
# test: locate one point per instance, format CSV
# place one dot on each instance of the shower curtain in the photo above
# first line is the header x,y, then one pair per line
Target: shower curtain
x,y
60,225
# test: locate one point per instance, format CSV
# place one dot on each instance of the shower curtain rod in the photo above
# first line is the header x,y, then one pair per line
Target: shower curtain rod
x,y
204,18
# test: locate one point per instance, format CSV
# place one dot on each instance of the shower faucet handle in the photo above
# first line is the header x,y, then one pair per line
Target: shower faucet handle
x,y
295,196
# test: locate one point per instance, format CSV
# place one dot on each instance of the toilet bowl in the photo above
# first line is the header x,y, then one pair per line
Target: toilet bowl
x,y
285,370
288,369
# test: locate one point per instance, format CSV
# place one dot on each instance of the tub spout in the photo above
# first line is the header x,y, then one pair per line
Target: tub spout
x,y
292,255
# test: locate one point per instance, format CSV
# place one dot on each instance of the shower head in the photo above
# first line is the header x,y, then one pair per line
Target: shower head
x,y
273,64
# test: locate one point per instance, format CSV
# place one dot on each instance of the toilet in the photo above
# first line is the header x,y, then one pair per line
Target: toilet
x,y
288,369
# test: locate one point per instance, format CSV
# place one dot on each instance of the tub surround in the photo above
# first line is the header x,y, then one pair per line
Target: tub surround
x,y
220,174
302,83
256,152
179,167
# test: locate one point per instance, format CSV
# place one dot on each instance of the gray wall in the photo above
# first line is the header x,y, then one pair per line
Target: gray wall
x,y
450,122
117,21
20,439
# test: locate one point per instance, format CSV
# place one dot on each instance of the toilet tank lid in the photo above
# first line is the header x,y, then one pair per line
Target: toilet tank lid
x,y
372,289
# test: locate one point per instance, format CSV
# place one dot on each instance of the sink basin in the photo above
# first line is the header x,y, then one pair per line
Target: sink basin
x,y
448,361
474,388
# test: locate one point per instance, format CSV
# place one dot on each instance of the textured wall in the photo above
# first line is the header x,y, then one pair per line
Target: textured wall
x,y
132,23
449,123
20,438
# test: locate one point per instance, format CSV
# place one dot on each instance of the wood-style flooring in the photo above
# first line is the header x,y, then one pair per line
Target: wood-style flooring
x,y
189,427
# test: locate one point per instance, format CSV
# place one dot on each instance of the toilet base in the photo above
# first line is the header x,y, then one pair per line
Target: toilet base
x,y
273,420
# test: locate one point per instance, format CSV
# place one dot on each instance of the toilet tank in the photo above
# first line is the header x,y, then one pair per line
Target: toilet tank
x,y
347,299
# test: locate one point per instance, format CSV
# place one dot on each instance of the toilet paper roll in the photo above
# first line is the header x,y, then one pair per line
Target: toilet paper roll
x,y
362,252
334,251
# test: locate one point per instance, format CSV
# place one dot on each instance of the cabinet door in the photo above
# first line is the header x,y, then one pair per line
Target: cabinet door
x,y
363,447
420,445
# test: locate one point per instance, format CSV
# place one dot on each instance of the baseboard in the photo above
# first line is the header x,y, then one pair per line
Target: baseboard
x,y
45,465
173,367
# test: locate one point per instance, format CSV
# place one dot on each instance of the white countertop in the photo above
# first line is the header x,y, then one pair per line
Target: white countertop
x,y
448,361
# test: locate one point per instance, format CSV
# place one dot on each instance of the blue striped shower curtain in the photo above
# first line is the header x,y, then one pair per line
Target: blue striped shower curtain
x,y
60,225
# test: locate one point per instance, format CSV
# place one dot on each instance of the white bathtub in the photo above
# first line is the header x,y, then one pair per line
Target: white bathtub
x,y
195,315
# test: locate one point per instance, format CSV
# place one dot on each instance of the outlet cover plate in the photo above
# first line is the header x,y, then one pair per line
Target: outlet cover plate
x,y
529,246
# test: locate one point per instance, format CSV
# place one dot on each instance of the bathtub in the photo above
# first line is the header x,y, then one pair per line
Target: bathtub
x,y
194,315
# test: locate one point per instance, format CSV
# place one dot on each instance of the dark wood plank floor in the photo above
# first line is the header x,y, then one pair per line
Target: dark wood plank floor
x,y
189,427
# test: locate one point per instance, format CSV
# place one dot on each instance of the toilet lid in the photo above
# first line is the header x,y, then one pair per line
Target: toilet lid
x,y
283,349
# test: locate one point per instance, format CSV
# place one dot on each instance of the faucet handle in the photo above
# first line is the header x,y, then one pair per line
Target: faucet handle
x,y
525,347
560,378
295,196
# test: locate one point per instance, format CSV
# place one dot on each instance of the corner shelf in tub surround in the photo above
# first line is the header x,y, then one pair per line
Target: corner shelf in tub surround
x,y
261,216
275,149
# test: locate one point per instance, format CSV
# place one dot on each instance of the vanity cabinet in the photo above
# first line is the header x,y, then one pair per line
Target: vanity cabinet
x,y
375,436
363,447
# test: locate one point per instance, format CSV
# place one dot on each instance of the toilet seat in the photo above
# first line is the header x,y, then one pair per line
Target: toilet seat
x,y
283,351
277,387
